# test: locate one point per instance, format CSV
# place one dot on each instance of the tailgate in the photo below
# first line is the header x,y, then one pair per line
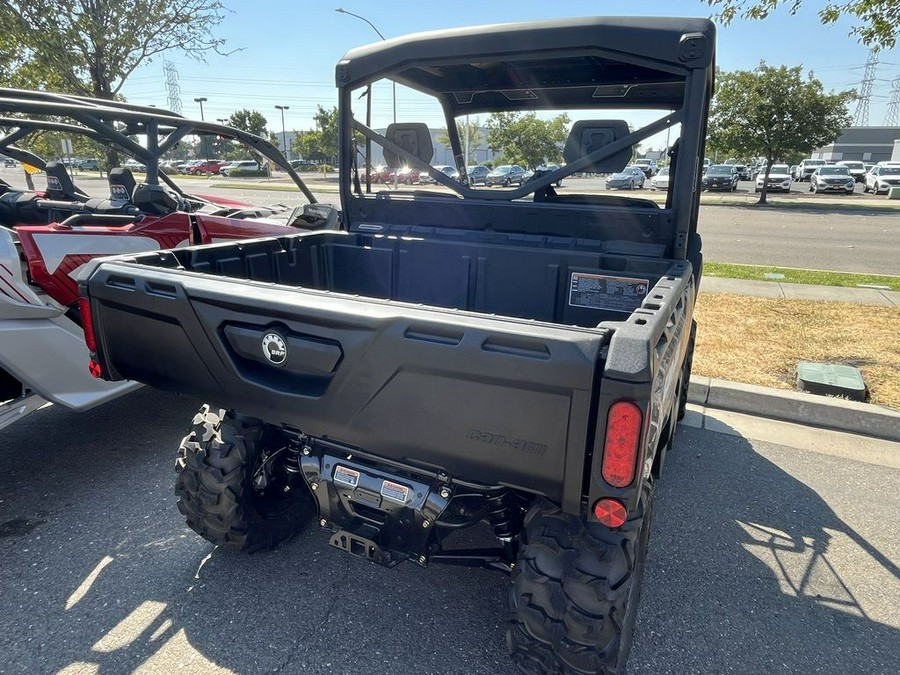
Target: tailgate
x,y
484,398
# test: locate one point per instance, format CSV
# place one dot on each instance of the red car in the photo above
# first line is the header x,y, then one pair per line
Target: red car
x,y
211,166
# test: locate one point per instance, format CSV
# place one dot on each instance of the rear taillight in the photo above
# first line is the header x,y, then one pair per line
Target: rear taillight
x,y
620,451
87,323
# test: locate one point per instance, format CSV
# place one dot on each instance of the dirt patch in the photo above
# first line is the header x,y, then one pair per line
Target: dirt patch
x,y
760,340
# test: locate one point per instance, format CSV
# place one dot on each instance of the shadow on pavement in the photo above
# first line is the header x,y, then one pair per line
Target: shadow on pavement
x,y
742,576
751,570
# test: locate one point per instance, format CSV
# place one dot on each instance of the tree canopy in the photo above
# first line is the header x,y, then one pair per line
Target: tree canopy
x,y
773,112
878,21
319,144
526,139
468,131
91,47
251,121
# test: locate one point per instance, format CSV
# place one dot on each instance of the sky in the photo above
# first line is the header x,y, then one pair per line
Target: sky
x,y
289,48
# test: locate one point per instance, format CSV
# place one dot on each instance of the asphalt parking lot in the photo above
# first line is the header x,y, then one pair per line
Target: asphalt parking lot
x,y
763,558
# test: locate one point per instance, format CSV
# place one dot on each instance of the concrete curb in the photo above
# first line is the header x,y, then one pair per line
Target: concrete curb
x,y
798,407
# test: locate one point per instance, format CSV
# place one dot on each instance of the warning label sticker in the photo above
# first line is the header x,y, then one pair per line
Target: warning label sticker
x,y
602,291
394,491
346,476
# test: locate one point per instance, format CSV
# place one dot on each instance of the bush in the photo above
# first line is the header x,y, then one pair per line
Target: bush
x,y
247,173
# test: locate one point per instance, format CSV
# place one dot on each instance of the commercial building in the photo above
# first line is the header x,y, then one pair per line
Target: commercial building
x,y
864,144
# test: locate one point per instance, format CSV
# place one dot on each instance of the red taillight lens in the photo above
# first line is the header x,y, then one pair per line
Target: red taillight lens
x,y
623,434
87,324
610,512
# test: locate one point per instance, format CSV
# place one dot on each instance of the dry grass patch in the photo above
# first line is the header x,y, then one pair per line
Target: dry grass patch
x,y
760,340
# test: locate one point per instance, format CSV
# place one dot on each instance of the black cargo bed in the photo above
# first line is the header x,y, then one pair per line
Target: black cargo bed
x,y
501,394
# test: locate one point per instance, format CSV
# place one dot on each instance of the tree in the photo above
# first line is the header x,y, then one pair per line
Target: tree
x,y
469,135
773,112
320,144
251,121
526,139
879,20
91,47
95,45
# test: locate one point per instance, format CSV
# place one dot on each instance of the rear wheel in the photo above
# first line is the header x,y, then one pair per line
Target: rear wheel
x,y
232,486
575,591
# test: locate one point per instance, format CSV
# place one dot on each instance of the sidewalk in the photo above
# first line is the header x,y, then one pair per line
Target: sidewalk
x,y
775,289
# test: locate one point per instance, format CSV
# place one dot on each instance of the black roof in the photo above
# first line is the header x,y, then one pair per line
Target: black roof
x,y
600,62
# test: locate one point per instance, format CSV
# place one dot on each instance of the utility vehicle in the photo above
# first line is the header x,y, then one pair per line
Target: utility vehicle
x,y
515,359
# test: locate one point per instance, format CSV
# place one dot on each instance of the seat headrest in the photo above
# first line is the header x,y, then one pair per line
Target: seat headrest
x,y
413,137
154,200
59,183
121,184
587,136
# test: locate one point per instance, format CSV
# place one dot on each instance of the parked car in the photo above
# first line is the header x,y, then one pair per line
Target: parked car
x,y
631,177
406,175
743,172
882,179
134,165
506,175
89,165
661,180
807,167
720,177
832,178
779,179
450,171
227,170
477,174
857,170
207,166
648,166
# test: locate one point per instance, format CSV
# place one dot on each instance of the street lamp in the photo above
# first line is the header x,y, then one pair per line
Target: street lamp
x,y
341,10
205,147
287,152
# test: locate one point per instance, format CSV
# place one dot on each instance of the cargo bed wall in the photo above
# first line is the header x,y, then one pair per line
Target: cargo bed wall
x,y
558,280
487,399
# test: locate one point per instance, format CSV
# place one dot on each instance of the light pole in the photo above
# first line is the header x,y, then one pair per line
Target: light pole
x,y
341,10
287,152
205,147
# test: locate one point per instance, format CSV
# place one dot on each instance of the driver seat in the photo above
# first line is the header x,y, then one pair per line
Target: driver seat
x,y
59,184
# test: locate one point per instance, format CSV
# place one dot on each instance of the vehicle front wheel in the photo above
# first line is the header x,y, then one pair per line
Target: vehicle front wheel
x,y
232,486
576,589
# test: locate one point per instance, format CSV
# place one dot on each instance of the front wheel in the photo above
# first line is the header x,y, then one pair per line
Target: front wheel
x,y
232,486
575,591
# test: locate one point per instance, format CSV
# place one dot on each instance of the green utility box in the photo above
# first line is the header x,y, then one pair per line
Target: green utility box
x,y
828,379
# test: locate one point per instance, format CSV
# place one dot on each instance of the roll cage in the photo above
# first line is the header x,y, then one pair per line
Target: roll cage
x,y
574,64
114,123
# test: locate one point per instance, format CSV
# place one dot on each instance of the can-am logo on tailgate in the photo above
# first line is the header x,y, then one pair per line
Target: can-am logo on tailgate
x,y
274,348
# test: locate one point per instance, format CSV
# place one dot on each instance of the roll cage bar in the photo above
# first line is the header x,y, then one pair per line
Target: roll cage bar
x,y
113,123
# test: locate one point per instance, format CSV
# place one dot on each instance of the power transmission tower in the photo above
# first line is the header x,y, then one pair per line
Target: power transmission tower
x,y
861,117
893,110
172,88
